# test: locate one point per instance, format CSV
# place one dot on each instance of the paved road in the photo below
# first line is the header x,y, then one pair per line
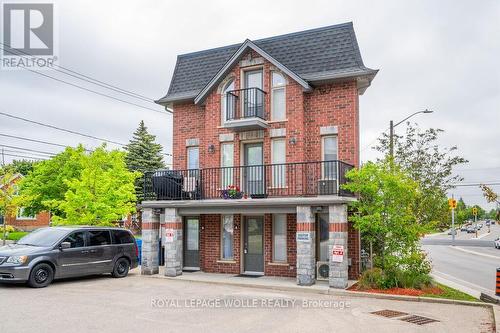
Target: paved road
x,y
144,304
472,267
484,238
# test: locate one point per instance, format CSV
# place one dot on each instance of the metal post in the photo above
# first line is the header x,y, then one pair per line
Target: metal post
x,y
391,140
453,224
475,223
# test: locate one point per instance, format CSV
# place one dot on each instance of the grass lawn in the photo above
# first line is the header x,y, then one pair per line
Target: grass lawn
x,y
16,235
451,293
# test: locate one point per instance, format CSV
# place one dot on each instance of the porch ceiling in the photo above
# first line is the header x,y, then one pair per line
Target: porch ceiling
x,y
246,206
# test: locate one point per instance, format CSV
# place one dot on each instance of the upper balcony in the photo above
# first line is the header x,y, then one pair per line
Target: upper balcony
x,y
302,179
245,109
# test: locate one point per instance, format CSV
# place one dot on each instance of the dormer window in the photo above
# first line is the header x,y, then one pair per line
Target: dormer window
x,y
278,104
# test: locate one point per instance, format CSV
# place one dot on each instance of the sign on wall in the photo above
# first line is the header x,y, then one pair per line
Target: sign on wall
x,y
303,237
169,235
337,253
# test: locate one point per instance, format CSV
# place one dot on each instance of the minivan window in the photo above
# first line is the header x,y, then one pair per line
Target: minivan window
x,y
99,237
43,237
122,237
76,239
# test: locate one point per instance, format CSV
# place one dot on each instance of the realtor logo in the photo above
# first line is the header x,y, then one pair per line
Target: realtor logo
x,y
28,35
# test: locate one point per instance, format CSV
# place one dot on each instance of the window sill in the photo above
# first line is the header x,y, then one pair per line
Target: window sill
x,y
226,261
277,187
277,121
278,264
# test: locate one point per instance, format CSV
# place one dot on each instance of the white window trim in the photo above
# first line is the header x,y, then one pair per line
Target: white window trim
x,y
286,241
273,88
323,138
20,217
272,162
222,97
222,239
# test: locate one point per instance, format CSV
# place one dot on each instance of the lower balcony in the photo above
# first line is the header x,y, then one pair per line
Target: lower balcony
x,y
302,179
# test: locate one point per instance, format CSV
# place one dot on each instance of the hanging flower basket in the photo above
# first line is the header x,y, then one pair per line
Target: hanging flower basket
x,y
232,192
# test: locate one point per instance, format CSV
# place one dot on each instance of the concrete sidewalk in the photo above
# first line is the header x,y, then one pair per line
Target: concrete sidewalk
x,y
140,303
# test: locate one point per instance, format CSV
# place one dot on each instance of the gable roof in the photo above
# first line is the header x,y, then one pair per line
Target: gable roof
x,y
308,56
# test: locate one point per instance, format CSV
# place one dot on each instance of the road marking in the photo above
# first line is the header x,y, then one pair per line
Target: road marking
x,y
474,252
462,285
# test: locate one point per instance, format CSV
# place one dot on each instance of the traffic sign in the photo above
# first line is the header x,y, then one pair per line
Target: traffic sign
x,y
452,203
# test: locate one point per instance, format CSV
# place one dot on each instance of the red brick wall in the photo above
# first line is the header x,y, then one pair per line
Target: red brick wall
x,y
210,246
332,104
353,252
42,220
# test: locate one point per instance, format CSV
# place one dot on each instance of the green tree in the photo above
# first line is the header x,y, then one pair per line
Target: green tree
x,y
385,213
419,155
47,182
23,167
102,194
8,202
143,154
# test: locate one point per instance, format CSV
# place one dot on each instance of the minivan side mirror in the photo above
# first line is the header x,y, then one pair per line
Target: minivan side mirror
x,y
65,245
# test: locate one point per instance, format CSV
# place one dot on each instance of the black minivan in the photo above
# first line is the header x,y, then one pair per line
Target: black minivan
x,y
60,252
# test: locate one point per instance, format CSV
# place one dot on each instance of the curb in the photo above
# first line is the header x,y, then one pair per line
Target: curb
x,y
330,291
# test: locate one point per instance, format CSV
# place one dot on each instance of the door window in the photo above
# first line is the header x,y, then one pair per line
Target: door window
x,y
254,171
192,235
99,237
76,239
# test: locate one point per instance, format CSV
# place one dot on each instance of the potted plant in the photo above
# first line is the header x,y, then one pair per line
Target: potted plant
x,y
232,192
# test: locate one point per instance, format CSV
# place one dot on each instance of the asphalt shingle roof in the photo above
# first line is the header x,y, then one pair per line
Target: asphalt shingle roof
x,y
332,50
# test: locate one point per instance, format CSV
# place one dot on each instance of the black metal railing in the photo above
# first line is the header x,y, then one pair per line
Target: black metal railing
x,y
254,181
245,103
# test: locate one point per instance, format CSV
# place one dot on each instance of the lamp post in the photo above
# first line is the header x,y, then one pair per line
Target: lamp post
x,y
391,130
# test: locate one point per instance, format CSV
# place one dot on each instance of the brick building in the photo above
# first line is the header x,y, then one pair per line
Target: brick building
x,y
23,221
263,134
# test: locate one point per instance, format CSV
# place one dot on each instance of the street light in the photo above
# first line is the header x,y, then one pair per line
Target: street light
x,y
391,130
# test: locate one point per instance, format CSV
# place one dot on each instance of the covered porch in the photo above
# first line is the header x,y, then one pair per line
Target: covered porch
x,y
305,239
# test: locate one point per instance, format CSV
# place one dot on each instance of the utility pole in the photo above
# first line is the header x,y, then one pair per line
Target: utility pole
x,y
3,158
453,221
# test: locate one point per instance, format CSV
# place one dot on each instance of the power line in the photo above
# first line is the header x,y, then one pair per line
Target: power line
x,y
86,78
27,149
61,129
492,183
16,151
48,143
26,157
90,90
65,130
33,140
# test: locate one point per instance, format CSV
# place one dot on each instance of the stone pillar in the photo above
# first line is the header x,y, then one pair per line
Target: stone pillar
x,y
150,242
173,245
306,256
338,236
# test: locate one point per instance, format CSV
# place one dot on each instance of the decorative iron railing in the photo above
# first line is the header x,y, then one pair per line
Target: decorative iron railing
x,y
254,181
245,103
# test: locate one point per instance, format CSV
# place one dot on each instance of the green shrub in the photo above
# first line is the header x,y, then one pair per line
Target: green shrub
x,y
9,228
372,279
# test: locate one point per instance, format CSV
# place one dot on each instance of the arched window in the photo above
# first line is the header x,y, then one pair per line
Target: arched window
x,y
278,95
227,102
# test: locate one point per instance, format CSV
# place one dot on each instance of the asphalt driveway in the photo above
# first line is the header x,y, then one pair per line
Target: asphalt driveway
x,y
144,304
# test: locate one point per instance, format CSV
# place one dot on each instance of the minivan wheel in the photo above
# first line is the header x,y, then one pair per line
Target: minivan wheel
x,y
41,276
121,268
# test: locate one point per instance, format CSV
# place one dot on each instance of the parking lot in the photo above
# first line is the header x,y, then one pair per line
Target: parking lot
x,y
148,304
